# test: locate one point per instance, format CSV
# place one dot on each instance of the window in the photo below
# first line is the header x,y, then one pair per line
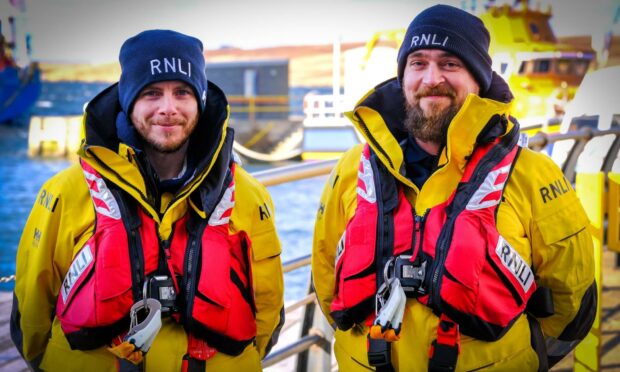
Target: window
x,y
503,68
542,66
580,66
563,66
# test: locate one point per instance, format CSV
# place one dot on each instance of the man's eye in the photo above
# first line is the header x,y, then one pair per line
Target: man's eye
x,y
150,93
415,63
183,92
452,65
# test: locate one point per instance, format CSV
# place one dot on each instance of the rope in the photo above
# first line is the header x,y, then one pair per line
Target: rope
x,y
6,279
265,157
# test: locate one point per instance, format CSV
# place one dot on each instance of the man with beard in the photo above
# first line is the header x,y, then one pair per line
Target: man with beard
x,y
434,245
156,240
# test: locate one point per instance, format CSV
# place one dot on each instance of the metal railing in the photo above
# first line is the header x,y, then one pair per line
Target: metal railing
x,y
312,335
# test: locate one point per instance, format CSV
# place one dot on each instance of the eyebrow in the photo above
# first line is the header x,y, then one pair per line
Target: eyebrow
x,y
443,54
177,85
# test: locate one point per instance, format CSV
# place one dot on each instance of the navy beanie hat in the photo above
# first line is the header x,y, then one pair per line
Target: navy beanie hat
x,y
159,55
454,30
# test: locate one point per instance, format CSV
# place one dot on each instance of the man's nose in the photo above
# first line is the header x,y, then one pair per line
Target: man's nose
x,y
433,75
168,104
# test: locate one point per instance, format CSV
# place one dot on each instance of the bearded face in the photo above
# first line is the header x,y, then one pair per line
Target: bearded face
x,y
435,85
165,114
431,124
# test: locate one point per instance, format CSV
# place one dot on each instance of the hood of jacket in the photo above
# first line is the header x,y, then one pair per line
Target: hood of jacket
x,y
125,166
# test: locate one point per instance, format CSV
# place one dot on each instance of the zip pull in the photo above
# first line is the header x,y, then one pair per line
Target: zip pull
x,y
414,232
423,219
419,223
165,244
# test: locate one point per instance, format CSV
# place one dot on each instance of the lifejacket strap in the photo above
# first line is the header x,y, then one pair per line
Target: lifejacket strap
x,y
445,350
540,304
125,365
198,352
379,354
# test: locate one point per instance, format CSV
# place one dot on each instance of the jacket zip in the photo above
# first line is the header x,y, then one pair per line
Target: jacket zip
x,y
136,256
499,151
379,253
191,259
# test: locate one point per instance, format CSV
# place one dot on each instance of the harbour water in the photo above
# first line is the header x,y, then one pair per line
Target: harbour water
x,y
22,176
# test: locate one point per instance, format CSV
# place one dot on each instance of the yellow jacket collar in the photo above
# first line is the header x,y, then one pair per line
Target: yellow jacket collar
x,y
467,125
373,124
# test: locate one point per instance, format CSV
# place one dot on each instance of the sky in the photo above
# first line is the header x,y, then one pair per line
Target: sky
x,y
92,31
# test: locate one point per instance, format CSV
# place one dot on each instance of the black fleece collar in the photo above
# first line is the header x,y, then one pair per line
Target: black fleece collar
x,y
388,100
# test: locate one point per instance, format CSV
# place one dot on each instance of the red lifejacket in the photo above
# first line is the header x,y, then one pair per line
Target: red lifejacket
x,y
476,278
210,268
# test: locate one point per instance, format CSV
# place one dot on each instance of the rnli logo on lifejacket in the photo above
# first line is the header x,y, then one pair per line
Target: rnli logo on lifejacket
x,y
490,191
170,65
78,266
515,264
366,183
103,199
221,214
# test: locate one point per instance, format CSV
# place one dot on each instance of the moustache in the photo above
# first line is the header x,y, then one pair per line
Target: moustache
x,y
441,90
167,122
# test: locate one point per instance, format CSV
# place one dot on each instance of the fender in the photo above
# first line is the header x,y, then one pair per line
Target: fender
x,y
107,274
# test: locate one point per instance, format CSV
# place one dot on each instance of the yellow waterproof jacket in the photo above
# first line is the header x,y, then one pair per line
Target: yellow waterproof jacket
x,y
540,216
62,220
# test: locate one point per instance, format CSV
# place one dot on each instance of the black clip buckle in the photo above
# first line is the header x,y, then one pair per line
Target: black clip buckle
x,y
444,357
411,275
379,352
161,288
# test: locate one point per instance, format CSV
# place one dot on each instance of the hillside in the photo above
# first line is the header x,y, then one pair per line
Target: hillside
x,y
309,65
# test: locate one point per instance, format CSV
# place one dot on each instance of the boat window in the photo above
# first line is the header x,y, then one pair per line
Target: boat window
x,y
542,65
534,28
527,67
580,66
503,67
563,67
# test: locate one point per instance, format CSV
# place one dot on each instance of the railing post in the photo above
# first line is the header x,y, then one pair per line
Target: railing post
x,y
613,211
318,357
590,188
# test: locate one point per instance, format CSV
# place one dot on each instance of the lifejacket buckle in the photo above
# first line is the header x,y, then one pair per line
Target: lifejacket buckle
x,y
444,351
161,288
142,333
379,352
410,275
443,357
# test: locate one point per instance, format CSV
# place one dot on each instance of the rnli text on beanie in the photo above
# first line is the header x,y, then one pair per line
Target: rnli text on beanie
x,y
454,30
159,55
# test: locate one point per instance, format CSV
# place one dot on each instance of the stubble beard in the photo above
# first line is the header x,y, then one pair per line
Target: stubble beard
x,y
164,147
431,127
